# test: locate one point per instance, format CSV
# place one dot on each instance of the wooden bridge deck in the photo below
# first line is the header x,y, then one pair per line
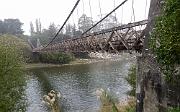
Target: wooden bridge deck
x,y
115,39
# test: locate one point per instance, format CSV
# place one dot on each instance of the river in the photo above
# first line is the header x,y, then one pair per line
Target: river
x,y
77,84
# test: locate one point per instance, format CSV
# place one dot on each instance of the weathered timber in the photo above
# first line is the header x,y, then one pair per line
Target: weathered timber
x,y
150,85
113,39
129,25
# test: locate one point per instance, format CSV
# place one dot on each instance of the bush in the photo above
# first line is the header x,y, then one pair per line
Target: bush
x,y
19,44
165,38
131,78
165,43
11,78
55,58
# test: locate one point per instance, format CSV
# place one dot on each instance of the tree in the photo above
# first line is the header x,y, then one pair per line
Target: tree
x,y
38,26
109,22
84,23
76,32
1,27
52,30
32,32
11,26
70,30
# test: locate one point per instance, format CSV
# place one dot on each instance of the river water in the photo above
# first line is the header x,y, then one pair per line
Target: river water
x,y
77,84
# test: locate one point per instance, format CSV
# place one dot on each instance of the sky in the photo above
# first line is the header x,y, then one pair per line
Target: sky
x,y
56,11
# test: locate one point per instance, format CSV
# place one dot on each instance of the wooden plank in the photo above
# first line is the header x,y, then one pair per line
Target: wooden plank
x,y
122,40
108,40
113,47
62,44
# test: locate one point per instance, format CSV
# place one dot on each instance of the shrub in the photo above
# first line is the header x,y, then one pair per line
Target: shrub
x,y
56,58
131,78
11,78
19,44
165,43
165,38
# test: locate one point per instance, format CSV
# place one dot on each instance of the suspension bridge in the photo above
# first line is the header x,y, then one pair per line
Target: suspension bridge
x,y
114,40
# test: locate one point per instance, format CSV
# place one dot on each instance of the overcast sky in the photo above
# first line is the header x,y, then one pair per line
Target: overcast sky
x,y
56,11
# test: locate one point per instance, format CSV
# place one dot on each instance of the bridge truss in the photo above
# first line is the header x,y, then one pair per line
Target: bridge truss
x,y
113,40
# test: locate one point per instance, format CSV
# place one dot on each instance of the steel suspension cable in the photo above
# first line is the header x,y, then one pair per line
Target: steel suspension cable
x,y
76,4
133,11
77,18
83,6
99,2
133,15
122,15
105,17
145,9
100,9
90,10
115,11
77,13
83,10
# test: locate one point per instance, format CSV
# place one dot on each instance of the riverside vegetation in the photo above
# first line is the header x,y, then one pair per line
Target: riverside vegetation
x,y
15,52
109,102
165,44
54,58
12,80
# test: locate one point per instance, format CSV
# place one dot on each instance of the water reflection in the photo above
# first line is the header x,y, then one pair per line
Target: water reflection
x,y
77,84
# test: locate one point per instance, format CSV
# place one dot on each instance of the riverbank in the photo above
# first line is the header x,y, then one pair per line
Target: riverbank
x,y
123,56
75,62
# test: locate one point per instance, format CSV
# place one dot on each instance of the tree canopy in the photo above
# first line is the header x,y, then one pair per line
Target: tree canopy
x,y
11,26
84,23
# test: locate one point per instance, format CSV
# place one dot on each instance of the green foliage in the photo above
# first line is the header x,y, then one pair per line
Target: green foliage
x,y
56,58
11,78
167,34
131,78
131,109
174,109
114,108
18,43
45,35
11,26
165,40
84,22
